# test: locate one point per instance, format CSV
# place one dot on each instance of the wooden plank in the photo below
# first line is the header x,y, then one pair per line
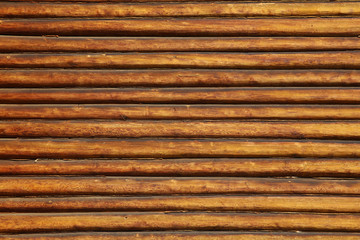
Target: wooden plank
x,y
177,78
170,148
237,9
295,203
221,167
183,95
184,27
38,186
307,60
171,112
203,235
68,222
181,129
174,44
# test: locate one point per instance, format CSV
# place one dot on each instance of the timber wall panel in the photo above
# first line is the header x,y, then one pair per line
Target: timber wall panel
x,y
140,119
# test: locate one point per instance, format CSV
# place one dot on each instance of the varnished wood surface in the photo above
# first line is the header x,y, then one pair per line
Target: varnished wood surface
x,y
234,9
142,119
38,186
14,223
176,78
175,148
307,60
181,129
264,203
175,44
319,27
171,111
203,235
184,95
220,167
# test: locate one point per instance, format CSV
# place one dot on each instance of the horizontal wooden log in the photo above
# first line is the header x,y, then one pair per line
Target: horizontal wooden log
x,y
147,44
187,167
172,78
184,95
70,222
237,9
170,148
124,112
37,186
181,129
295,203
307,60
203,235
184,27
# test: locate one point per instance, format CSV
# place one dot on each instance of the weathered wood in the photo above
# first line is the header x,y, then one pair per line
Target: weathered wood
x,y
187,167
37,186
185,27
203,235
237,9
183,95
307,60
181,129
148,44
15,223
124,112
170,148
293,203
184,78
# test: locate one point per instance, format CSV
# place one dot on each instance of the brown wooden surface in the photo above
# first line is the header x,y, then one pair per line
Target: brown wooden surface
x,y
175,44
181,129
237,9
185,78
171,111
178,221
311,60
139,119
185,27
264,203
173,148
221,167
183,95
203,235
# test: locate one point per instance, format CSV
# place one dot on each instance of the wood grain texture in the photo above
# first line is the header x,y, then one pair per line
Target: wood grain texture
x,y
174,44
181,129
171,112
295,203
307,60
203,235
236,9
38,186
221,167
170,148
183,95
15,223
185,27
176,78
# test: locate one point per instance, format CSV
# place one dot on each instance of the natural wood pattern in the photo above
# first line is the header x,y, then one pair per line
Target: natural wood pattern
x,y
170,148
181,129
185,203
170,112
34,186
185,27
187,167
203,235
183,95
308,60
237,9
14,223
185,78
174,44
